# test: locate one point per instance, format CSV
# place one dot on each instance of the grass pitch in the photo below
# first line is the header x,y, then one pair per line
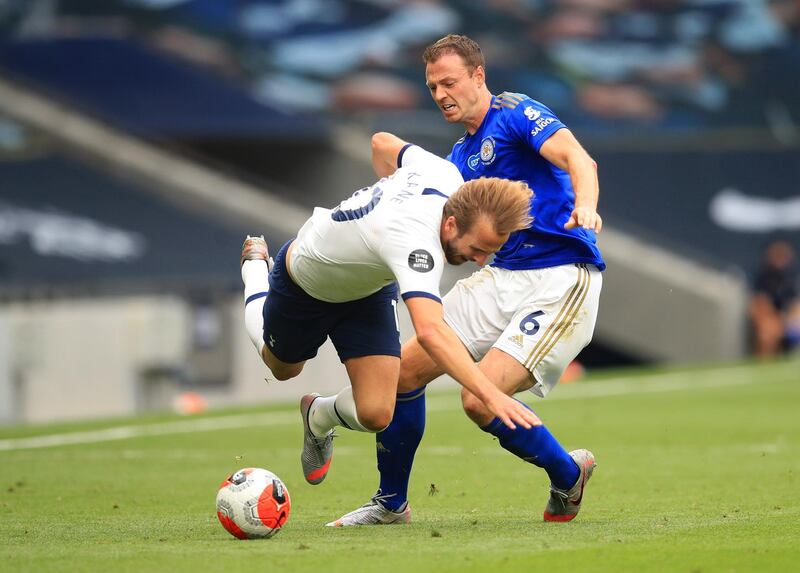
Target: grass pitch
x,y
697,472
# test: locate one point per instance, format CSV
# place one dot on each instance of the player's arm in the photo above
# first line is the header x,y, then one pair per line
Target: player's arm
x,y
442,344
563,150
389,153
386,149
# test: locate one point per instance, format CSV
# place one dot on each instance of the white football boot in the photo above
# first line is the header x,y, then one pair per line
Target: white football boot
x,y
373,513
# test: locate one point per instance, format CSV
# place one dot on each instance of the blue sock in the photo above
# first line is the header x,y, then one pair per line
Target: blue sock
x,y
396,446
537,446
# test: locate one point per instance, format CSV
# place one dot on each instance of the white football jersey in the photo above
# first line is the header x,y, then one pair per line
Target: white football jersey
x,y
389,231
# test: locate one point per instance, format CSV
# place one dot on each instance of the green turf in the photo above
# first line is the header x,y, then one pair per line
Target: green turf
x,y
698,472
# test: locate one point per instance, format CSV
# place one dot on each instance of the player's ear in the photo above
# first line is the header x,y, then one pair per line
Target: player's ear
x,y
450,226
479,75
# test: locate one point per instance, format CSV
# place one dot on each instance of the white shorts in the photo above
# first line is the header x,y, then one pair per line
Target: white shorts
x,y
541,317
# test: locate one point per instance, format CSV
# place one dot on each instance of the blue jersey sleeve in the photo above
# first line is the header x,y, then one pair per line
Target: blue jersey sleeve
x,y
533,123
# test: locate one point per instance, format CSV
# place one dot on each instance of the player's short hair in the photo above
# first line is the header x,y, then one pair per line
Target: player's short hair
x,y
467,48
504,202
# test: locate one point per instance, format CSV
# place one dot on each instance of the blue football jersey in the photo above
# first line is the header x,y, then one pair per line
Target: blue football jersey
x,y
507,145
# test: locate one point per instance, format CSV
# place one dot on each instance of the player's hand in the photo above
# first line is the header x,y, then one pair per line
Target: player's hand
x,y
584,217
512,412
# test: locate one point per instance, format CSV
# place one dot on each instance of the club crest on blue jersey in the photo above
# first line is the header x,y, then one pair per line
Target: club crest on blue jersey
x,y
486,156
487,150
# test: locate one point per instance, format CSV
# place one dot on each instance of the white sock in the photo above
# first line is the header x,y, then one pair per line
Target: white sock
x,y
255,275
330,411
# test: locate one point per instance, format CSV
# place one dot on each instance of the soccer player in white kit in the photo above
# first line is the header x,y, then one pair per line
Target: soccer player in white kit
x,y
340,277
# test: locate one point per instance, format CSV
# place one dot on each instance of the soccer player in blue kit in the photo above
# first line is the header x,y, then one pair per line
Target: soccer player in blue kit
x,y
526,316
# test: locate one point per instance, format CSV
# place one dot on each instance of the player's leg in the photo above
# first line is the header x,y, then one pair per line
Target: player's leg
x,y
366,337
256,265
374,385
535,445
364,406
554,321
397,443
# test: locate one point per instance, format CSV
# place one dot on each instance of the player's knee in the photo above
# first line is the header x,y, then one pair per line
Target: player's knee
x,y
283,372
474,408
283,375
375,420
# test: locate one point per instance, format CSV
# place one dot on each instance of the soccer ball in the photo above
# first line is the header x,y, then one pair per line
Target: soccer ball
x,y
253,503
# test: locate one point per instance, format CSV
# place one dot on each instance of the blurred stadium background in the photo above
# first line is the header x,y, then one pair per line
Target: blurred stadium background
x,y
140,140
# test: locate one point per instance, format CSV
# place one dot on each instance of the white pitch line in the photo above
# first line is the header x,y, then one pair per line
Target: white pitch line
x,y
666,382
127,432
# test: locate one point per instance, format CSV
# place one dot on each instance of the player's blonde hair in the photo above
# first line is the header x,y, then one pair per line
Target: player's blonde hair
x,y
504,202
467,48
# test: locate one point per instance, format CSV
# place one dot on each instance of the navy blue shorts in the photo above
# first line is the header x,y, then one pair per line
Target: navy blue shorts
x,y
297,324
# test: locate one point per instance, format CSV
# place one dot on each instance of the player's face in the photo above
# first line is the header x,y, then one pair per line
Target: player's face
x,y
455,90
475,244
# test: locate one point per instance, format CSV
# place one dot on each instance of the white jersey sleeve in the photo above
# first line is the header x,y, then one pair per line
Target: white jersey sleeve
x,y
414,157
413,247
415,258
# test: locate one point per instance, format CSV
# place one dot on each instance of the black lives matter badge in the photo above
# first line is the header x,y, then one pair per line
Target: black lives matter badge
x,y
420,261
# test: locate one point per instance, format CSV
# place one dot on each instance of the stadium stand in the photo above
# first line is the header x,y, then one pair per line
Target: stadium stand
x,y
129,85
619,66
91,232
